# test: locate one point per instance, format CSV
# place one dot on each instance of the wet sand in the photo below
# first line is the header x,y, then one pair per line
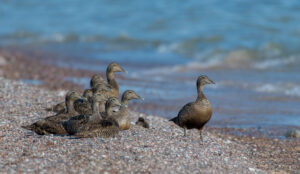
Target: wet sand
x,y
161,149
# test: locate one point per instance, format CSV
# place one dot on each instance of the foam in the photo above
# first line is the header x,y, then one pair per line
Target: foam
x,y
281,88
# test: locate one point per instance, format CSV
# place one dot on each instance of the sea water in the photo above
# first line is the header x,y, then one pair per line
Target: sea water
x,y
251,49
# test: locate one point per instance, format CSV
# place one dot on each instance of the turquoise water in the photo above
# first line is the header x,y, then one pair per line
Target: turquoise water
x,y
251,49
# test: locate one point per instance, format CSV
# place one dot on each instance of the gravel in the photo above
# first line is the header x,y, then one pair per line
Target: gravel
x,y
160,149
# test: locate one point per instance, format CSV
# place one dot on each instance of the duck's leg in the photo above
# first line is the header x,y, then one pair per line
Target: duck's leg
x,y
184,131
201,137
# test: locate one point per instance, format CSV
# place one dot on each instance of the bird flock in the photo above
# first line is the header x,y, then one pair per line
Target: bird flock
x,y
99,113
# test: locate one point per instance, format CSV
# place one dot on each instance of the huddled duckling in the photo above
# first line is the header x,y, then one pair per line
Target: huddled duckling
x,y
52,124
97,113
84,106
58,108
96,79
78,123
95,126
142,122
196,114
111,69
123,118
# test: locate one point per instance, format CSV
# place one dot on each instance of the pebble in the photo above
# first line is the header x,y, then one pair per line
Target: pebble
x,y
161,149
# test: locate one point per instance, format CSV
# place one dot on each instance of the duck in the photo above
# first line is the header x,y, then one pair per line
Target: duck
x,y
95,125
123,118
195,115
111,69
58,108
96,79
142,122
77,123
52,124
84,106
80,105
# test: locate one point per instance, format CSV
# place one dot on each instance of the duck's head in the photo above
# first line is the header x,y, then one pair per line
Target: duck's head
x,y
72,96
203,80
112,104
130,94
114,67
99,97
101,87
87,93
96,79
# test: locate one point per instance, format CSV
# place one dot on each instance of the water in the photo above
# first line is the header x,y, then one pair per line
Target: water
x,y
249,48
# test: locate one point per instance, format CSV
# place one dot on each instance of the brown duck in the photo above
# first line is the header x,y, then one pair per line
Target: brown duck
x,y
94,125
111,69
123,118
77,123
58,108
52,124
84,106
96,79
80,105
142,122
196,114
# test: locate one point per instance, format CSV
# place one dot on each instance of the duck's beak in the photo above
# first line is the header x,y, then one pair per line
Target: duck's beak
x,y
122,70
142,98
210,81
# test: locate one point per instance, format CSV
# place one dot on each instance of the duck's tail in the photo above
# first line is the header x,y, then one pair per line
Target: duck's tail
x,y
175,120
49,109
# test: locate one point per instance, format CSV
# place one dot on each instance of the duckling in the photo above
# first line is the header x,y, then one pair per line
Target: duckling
x,y
84,106
58,108
81,106
123,117
78,123
96,79
142,122
107,127
196,114
111,69
52,124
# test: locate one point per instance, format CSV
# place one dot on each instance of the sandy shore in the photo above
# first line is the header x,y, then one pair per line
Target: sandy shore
x,y
160,149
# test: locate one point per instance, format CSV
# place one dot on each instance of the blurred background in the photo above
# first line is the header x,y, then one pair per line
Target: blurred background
x,y
249,48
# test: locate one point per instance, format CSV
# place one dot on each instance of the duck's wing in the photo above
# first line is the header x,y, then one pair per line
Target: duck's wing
x,y
104,129
45,127
60,117
76,124
83,107
184,113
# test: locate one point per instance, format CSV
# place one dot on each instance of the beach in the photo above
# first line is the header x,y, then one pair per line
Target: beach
x,y
160,149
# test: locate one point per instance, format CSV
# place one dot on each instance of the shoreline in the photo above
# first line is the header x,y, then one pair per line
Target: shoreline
x,y
160,149
40,69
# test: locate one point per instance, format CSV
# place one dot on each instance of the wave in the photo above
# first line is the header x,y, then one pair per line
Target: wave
x,y
289,89
271,63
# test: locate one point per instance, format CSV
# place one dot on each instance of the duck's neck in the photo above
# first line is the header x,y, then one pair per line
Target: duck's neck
x,y
111,80
95,110
70,107
109,111
102,107
124,100
201,95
